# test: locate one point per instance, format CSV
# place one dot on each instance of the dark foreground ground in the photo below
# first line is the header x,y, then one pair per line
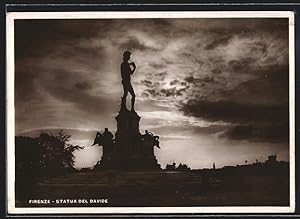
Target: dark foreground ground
x,y
267,186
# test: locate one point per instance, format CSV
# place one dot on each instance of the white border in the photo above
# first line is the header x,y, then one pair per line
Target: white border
x,y
11,16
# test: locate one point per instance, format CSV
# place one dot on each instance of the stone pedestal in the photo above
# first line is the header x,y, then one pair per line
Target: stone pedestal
x,y
128,136
129,150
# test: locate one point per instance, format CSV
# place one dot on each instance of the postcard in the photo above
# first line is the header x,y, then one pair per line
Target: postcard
x,y
150,112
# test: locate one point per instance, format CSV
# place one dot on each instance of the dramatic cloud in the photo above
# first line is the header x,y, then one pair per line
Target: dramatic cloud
x,y
235,112
260,132
218,42
203,85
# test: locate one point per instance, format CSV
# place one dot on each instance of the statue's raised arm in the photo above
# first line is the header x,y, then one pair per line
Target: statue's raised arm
x,y
134,67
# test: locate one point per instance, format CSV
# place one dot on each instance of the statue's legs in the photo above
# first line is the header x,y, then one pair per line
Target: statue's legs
x,y
131,91
123,103
132,102
128,88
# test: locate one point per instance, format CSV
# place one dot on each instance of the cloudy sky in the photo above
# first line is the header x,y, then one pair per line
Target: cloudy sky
x,y
214,90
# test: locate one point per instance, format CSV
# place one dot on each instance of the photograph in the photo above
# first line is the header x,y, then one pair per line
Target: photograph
x,y
144,112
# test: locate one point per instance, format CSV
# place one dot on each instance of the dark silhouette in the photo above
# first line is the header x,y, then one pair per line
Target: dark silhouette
x,y
106,140
98,139
44,156
130,149
272,159
171,167
181,167
107,137
47,151
28,153
149,140
126,72
256,184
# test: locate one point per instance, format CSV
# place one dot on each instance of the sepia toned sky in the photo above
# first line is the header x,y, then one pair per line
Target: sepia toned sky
x,y
214,90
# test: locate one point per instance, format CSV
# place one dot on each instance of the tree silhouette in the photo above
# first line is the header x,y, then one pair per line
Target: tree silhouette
x,y
27,153
56,152
68,155
45,155
47,151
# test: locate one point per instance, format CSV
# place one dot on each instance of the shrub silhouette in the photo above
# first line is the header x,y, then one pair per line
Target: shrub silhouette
x,y
47,154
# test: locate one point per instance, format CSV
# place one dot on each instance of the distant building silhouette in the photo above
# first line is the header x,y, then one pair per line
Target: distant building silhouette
x,y
183,167
171,167
271,159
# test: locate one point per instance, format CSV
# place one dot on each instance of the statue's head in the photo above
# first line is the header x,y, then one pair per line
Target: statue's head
x,y
126,55
106,129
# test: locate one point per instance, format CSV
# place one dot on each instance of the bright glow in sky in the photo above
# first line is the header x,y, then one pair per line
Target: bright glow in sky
x,y
214,90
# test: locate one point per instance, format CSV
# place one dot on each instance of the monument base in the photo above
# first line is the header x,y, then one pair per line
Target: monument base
x,y
130,150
